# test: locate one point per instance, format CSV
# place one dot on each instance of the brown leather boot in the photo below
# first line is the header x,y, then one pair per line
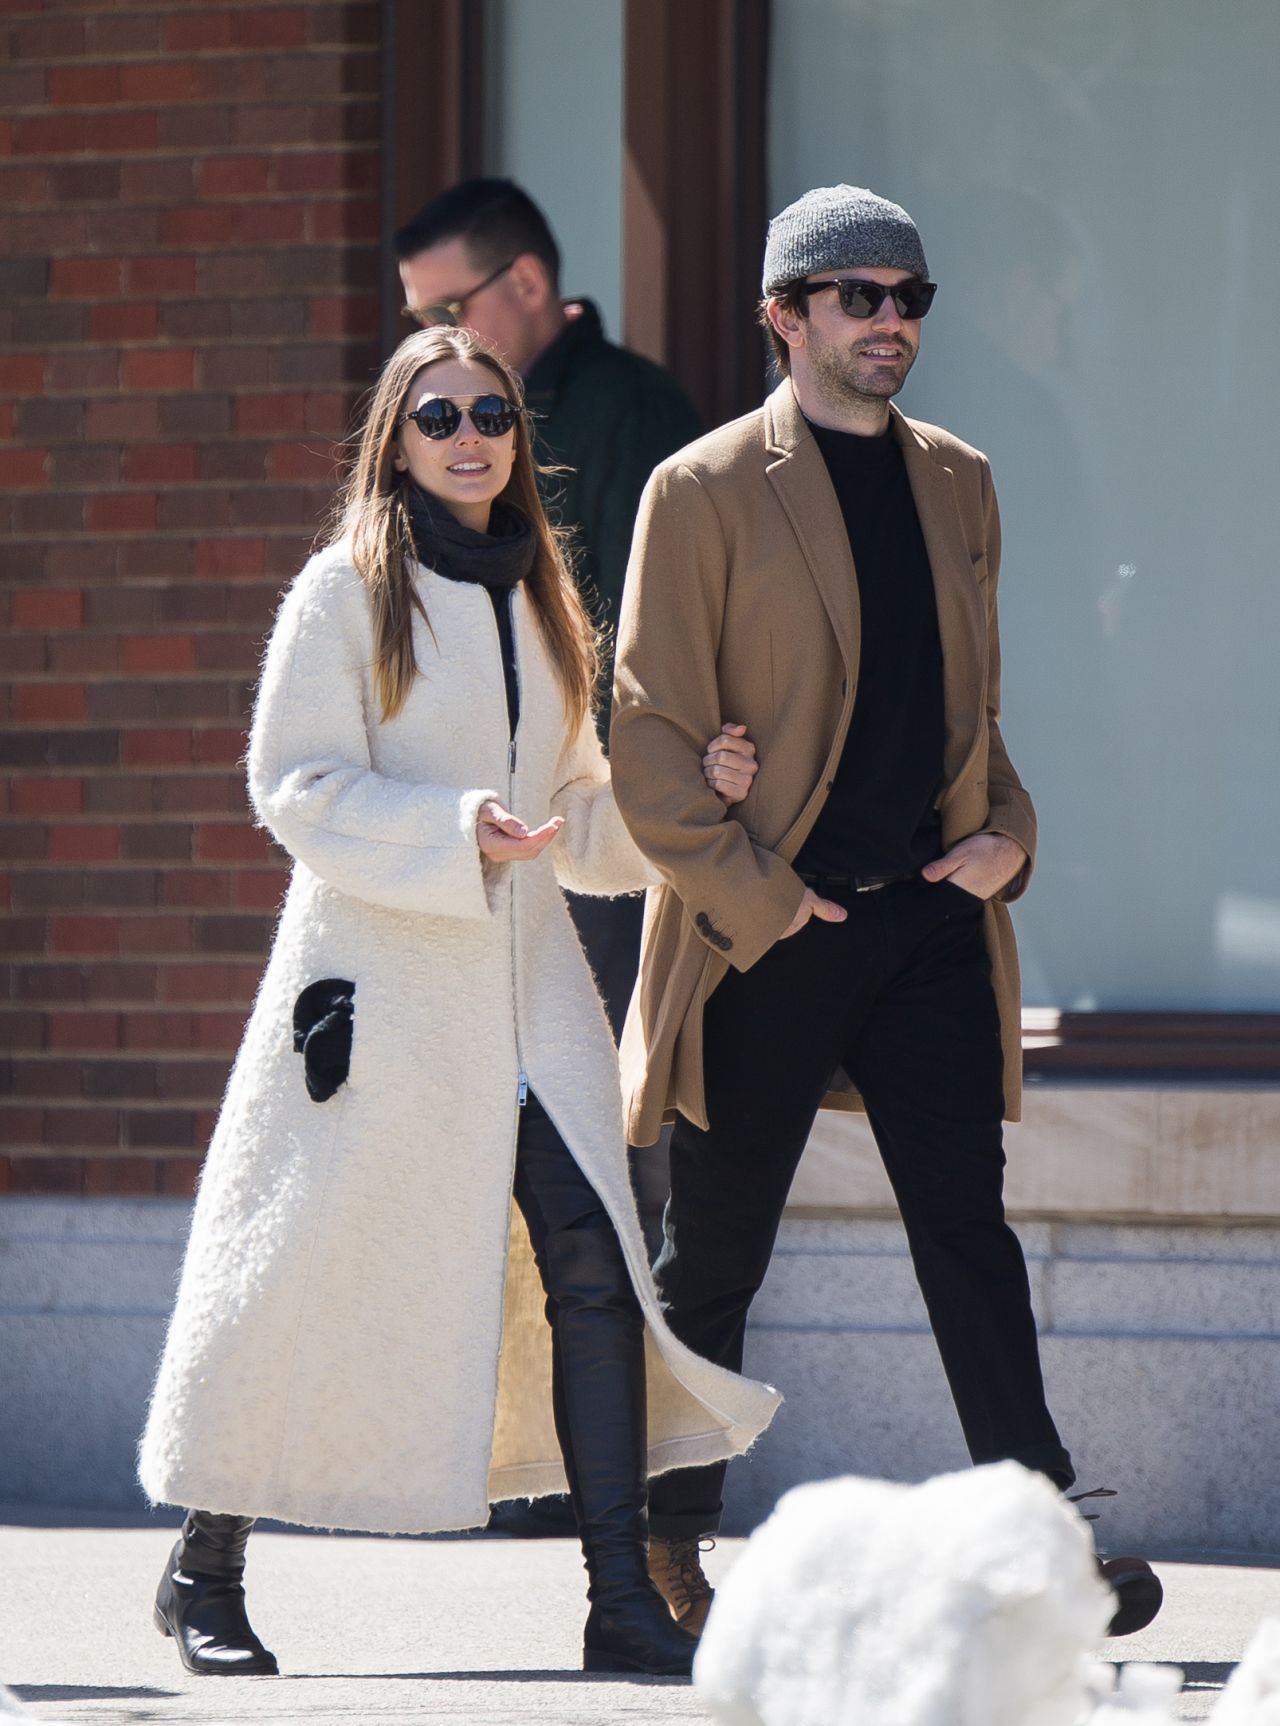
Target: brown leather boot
x,y
676,1569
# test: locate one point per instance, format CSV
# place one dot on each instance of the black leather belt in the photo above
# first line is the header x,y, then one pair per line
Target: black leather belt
x,y
850,883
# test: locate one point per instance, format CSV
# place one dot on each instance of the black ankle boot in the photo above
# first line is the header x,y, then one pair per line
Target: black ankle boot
x,y
200,1601
599,1394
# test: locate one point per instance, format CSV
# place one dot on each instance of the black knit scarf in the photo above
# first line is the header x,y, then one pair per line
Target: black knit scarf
x,y
498,559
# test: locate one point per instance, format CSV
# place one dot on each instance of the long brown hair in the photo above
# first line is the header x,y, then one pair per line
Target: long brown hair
x,y
371,512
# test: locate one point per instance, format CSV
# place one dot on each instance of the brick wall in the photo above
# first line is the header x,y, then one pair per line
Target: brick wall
x,y
188,305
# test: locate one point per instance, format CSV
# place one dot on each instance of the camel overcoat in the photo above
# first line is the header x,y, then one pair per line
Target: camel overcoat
x,y
359,1338
742,600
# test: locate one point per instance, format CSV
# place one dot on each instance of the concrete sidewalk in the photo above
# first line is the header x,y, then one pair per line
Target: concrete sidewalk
x,y
381,1632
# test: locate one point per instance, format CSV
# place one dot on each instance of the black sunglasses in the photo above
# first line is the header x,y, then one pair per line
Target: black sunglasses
x,y
440,416
859,299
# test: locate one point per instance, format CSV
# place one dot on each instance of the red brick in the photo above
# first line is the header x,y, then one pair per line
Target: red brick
x,y
24,468
233,176
155,935
48,797
156,748
84,844
194,983
160,464
270,224
8,412
71,1031
259,889
118,983
159,1031
48,135
22,374
196,127
343,219
84,655
196,225
82,1127
84,934
41,703
156,81
159,369
83,86
26,842
179,1176
278,412
19,186
269,27
43,38
85,278
342,315
84,369
157,181
158,842
22,1030
194,794
328,411
232,559
151,654
126,33
197,889
47,608
123,512
23,1125
124,130
119,1177
231,842
160,275
214,748
23,934
203,28
308,463
136,321
123,419
46,1175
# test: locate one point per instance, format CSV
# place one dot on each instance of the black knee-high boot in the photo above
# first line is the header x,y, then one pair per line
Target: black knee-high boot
x,y
200,1601
599,1391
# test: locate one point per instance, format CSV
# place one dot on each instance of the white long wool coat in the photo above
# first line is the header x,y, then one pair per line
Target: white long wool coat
x,y
359,1338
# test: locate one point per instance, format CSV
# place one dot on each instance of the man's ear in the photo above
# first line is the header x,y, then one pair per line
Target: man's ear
x,y
789,324
530,282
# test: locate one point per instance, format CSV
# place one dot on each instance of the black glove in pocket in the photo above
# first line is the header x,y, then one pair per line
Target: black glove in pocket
x,y
322,1020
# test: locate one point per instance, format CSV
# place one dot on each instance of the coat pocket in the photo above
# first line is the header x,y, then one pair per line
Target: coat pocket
x,y
323,1017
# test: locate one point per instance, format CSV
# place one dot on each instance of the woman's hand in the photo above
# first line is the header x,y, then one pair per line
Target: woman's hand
x,y
730,764
504,838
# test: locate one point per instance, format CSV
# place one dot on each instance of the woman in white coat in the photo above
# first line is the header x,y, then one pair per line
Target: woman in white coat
x,y
359,1339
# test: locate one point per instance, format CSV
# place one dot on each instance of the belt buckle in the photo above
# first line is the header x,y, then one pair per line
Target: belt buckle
x,y
871,887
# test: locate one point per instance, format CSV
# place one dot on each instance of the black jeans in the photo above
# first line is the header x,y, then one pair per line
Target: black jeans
x,y
899,995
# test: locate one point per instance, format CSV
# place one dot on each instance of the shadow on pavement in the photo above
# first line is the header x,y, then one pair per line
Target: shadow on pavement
x,y
88,1692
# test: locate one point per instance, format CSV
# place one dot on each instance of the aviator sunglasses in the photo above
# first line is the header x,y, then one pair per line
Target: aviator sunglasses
x,y
440,416
450,311
859,299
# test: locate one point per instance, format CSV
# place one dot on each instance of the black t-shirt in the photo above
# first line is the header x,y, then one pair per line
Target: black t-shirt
x,y
880,816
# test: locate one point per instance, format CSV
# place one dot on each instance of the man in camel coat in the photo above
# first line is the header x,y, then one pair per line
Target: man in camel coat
x,y
824,571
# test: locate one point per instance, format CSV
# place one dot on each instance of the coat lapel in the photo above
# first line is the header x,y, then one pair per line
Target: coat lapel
x,y
799,477
961,619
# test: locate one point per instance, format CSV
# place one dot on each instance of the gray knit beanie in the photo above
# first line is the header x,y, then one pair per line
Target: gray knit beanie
x,y
840,228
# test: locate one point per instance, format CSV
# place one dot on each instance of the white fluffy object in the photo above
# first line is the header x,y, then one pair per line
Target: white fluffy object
x,y
971,1600
1252,1695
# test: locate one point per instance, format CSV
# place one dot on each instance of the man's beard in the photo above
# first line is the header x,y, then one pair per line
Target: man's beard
x,y
842,379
